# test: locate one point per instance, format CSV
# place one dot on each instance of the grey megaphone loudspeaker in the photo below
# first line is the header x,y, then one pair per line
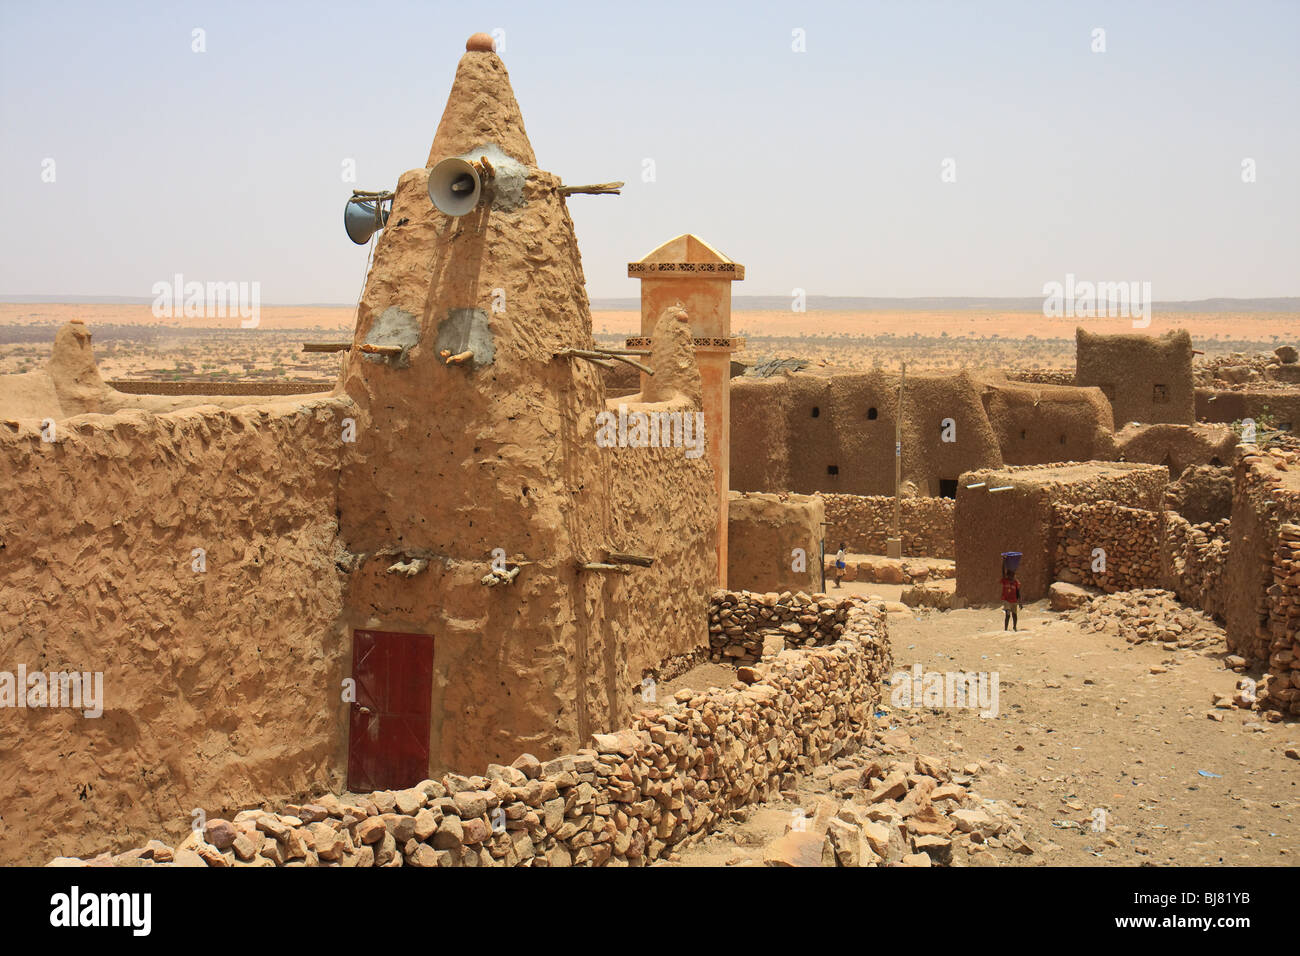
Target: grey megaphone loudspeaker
x,y
455,187
360,221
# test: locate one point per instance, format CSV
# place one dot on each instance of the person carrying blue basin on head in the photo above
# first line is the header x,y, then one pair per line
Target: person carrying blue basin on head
x,y
1010,590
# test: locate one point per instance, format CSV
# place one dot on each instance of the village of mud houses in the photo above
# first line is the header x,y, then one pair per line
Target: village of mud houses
x,y
756,437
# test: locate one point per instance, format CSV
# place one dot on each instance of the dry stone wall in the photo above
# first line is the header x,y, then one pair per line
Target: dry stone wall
x,y
1143,549
1129,538
1042,376
741,623
865,522
1192,561
1201,493
1266,496
628,800
1283,689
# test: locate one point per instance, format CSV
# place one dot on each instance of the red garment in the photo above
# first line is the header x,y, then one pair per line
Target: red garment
x,y
1011,590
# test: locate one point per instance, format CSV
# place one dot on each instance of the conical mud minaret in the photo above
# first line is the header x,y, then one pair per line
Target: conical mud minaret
x,y
475,492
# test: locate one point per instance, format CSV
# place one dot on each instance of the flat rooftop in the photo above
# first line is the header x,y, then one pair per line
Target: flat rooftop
x,y
1067,471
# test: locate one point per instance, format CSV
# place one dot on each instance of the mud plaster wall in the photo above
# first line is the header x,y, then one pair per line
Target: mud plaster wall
x,y
222,688
1036,424
809,432
70,384
763,532
1282,406
777,444
866,522
1127,368
1020,519
667,602
1178,447
454,461
1265,497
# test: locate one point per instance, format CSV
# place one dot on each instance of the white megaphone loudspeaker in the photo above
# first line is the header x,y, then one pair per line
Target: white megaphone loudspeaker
x,y
455,187
362,221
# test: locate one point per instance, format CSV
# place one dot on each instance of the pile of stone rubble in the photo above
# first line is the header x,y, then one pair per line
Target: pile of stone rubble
x,y
885,807
1149,614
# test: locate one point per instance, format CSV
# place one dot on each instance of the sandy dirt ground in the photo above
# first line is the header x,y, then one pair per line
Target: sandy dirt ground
x,y
1258,326
1085,721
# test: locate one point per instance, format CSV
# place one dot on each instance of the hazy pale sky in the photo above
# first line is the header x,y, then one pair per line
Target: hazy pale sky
x,y
821,170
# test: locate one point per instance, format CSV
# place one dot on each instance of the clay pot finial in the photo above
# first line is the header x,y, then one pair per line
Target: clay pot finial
x,y
480,43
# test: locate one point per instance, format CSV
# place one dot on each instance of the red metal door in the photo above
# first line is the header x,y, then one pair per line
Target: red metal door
x,y
388,731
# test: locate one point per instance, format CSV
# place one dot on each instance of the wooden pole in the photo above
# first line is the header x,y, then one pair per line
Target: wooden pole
x,y
622,557
601,566
597,189
598,357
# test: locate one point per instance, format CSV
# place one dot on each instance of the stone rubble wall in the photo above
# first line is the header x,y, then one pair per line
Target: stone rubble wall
x,y
865,522
1283,682
628,800
1129,536
1042,376
1144,549
1019,517
881,570
1193,558
1266,497
742,622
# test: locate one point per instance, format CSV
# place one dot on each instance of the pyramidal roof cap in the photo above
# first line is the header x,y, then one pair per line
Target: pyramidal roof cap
x,y
481,108
686,253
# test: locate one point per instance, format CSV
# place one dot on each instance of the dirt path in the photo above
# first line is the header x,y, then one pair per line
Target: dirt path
x,y
1086,722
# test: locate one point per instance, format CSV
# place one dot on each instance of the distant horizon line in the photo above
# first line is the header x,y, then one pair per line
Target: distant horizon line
x,y
773,303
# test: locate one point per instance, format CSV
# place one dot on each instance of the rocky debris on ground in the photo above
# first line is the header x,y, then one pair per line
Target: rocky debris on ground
x,y
886,807
1149,614
1238,368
